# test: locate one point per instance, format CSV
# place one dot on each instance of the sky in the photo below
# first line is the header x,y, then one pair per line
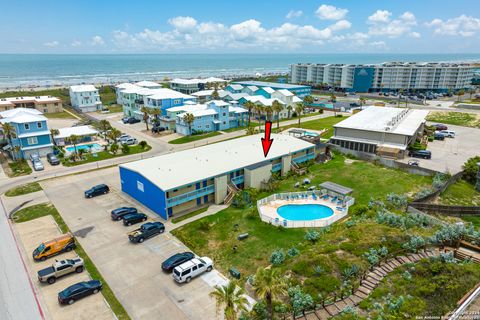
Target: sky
x,y
260,26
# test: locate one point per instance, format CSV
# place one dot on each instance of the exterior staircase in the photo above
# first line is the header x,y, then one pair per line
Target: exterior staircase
x,y
232,191
297,169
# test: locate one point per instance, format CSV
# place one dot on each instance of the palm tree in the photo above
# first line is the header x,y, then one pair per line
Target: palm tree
x,y
289,108
362,101
188,118
16,150
308,100
104,126
114,134
269,285
155,113
259,110
249,105
53,133
277,107
9,132
231,298
268,113
215,95
74,139
299,109
146,112
333,98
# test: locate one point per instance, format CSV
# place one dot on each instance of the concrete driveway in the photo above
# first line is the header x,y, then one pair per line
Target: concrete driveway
x,y
31,234
450,154
133,271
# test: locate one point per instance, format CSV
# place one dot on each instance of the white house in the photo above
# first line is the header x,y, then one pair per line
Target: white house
x,y
85,98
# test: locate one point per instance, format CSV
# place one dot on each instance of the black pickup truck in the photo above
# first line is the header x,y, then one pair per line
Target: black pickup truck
x,y
147,230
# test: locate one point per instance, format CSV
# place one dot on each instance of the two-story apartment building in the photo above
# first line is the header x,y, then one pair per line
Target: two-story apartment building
x,y
32,135
44,104
85,98
189,86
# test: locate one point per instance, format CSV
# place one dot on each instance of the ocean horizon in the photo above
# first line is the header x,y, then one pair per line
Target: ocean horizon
x,y
51,70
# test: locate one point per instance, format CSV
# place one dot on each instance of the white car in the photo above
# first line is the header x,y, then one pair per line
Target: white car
x,y
192,268
129,141
38,165
123,137
448,133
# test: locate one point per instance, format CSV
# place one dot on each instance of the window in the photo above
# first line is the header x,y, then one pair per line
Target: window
x,y
224,114
32,140
194,268
27,126
184,273
140,186
207,126
39,125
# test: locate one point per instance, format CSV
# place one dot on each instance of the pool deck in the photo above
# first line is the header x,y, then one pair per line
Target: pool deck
x,y
102,145
269,212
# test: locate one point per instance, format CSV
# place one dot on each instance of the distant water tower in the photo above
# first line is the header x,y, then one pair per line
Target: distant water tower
x,y
477,186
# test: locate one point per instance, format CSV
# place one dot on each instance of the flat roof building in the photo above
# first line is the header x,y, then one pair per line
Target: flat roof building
x,y
380,130
44,104
184,180
189,86
299,90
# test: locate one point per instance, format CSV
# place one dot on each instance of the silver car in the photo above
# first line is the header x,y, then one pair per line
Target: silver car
x,y
38,165
129,141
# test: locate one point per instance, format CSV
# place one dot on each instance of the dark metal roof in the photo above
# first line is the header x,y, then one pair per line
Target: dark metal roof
x,y
336,188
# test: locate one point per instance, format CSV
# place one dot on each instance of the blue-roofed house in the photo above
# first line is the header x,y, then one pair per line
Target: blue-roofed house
x,y
234,88
265,91
32,135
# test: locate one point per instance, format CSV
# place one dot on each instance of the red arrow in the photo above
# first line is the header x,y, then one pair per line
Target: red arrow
x,y
267,142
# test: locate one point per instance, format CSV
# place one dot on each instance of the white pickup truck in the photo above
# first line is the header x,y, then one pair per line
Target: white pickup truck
x,y
59,269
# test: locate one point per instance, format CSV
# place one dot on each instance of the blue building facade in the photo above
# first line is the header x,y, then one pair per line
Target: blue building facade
x,y
299,90
363,79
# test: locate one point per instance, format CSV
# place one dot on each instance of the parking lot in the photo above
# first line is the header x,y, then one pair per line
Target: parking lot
x,y
32,233
133,271
450,154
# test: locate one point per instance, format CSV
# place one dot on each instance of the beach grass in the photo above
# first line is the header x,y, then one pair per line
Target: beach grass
x,y
24,189
19,168
189,215
456,118
318,124
59,115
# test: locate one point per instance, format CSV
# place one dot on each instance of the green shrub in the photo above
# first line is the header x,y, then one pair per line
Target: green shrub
x,y
277,257
114,148
471,169
359,210
143,144
292,252
204,225
312,236
125,148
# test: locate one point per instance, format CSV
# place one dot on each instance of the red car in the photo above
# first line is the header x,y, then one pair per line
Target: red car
x,y
440,127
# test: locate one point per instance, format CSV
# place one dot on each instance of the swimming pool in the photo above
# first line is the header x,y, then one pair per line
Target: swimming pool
x,y
85,147
311,134
297,212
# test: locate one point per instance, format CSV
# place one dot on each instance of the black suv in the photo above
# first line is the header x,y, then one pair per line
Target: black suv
x,y
133,218
52,159
97,190
78,291
119,213
176,260
425,154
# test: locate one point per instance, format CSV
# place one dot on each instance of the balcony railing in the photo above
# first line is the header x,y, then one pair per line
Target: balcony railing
x,y
190,196
304,158
277,167
238,179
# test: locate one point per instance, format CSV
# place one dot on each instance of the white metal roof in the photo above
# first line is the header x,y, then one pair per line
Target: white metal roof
x,y
148,84
79,131
181,168
218,103
165,93
188,107
33,134
261,99
199,113
83,88
197,81
23,116
202,93
236,86
268,89
285,92
14,112
386,119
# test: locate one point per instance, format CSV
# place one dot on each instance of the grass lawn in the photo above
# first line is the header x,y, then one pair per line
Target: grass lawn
x,y
19,168
189,215
62,115
115,108
187,139
460,193
433,290
103,155
24,189
215,235
318,124
455,118
44,209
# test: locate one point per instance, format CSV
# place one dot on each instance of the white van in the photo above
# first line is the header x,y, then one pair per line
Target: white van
x,y
192,268
448,133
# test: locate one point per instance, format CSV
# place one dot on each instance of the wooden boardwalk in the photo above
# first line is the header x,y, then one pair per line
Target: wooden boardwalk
x,y
367,285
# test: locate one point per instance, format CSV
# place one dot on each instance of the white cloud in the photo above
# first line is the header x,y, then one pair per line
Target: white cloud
x,y
97,41
51,44
378,44
415,35
328,12
463,25
340,25
183,24
380,16
294,14
381,25
76,43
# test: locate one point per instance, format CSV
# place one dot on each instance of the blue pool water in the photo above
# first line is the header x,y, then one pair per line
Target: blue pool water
x,y
86,147
312,134
304,211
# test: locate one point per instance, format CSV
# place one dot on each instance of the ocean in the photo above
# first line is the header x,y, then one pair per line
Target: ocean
x,y
45,70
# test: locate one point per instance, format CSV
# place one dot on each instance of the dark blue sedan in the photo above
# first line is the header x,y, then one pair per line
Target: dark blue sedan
x,y
79,291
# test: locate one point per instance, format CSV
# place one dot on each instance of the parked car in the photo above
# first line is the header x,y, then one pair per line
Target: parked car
x,y
438,136
130,141
192,268
52,159
132,120
125,120
147,230
414,163
425,154
158,129
123,137
448,133
176,260
439,127
53,247
34,157
119,213
59,269
133,218
78,291
97,190
38,165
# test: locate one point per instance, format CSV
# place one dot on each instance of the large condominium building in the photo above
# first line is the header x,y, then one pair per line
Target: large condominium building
x,y
380,130
44,104
189,86
439,77
185,180
85,98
